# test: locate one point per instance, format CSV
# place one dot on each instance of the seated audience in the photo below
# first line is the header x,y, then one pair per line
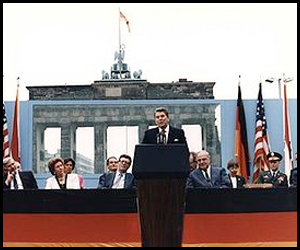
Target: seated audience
x,y
69,168
14,178
120,178
293,174
236,181
206,175
273,175
61,180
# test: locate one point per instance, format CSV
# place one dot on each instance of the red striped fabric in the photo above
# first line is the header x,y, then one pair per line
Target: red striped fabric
x,y
261,143
6,151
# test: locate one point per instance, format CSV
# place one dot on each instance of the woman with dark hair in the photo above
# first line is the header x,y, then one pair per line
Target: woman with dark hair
x,y
69,167
61,179
236,180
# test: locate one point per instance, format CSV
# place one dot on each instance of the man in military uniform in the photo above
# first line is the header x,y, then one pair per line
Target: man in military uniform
x,y
273,175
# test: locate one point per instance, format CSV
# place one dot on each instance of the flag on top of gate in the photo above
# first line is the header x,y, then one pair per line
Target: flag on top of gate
x,y
122,17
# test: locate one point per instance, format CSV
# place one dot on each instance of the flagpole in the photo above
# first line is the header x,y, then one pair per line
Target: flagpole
x,y
287,144
119,61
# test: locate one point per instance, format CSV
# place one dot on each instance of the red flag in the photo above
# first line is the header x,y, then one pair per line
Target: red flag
x,y
15,150
261,144
6,151
241,139
122,17
288,161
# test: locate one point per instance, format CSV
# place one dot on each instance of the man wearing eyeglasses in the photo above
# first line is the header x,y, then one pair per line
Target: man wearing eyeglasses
x,y
273,175
119,179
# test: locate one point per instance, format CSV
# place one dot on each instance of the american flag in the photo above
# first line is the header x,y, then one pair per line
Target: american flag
x,y
6,151
261,144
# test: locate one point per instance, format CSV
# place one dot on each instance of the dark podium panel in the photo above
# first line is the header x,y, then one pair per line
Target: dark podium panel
x,y
161,172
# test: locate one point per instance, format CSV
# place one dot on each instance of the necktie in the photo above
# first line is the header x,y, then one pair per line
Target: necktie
x,y
164,137
117,183
15,184
206,175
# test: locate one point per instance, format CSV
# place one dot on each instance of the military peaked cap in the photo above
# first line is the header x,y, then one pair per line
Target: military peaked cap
x,y
274,156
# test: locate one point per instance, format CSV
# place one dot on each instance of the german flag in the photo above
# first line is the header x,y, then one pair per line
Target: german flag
x,y
241,139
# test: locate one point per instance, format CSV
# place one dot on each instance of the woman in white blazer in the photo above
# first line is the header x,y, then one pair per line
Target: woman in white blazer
x,y
61,180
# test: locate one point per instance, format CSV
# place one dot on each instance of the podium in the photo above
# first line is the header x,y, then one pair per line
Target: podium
x,y
160,172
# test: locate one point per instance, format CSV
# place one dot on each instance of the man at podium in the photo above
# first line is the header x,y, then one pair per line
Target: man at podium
x,y
163,133
161,166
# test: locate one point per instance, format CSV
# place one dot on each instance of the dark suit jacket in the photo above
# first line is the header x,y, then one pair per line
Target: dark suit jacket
x,y
27,178
293,177
175,135
280,179
106,180
219,178
240,181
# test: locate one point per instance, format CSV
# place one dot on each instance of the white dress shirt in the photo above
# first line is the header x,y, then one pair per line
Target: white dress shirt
x,y
233,181
18,180
119,180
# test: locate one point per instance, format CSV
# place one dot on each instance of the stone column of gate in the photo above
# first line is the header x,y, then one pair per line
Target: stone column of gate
x,y
100,146
39,164
68,147
142,128
211,141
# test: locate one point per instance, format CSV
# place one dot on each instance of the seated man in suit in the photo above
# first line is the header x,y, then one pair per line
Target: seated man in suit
x,y
236,181
112,166
273,175
120,178
163,133
14,178
293,177
206,175
293,174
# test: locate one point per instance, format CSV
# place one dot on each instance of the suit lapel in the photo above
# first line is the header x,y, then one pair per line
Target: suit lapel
x,y
111,179
125,180
170,135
